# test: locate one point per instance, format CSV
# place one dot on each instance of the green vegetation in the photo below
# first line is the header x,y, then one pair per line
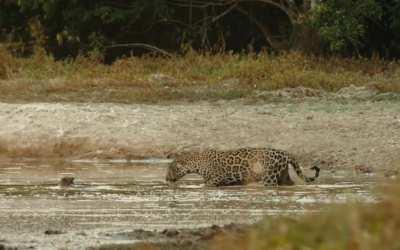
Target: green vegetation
x,y
68,28
366,27
343,24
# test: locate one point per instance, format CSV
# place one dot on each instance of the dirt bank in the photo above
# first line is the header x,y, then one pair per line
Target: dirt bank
x,y
174,239
342,134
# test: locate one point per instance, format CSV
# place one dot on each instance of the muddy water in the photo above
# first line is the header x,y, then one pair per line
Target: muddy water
x,y
118,196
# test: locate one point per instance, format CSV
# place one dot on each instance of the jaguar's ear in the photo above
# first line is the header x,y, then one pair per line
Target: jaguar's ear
x,y
172,156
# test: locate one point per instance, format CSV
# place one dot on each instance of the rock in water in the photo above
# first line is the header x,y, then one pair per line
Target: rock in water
x,y
67,181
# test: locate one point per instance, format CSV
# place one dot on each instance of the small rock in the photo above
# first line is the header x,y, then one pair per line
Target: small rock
x,y
67,181
356,92
170,232
52,232
231,82
162,79
208,234
143,234
299,92
4,247
392,173
262,112
364,169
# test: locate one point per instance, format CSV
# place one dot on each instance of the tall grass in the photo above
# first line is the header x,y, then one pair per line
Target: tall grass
x,y
192,76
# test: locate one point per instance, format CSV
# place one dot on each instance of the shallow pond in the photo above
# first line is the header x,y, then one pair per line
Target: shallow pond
x,y
117,196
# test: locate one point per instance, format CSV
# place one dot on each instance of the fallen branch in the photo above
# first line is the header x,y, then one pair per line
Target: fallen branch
x,y
142,45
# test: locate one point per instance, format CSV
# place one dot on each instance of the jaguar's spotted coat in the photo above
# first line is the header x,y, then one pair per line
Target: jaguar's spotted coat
x,y
271,166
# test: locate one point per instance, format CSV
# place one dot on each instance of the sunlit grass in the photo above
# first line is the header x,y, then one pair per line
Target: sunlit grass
x,y
194,76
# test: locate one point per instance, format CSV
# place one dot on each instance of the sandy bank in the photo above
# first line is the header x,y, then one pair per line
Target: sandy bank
x,y
341,134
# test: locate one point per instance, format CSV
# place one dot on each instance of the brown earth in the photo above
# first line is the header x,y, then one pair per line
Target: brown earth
x,y
342,133
194,239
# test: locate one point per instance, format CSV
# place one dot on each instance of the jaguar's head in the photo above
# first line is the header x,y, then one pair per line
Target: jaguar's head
x,y
179,167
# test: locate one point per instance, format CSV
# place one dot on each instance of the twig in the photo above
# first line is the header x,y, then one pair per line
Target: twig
x,y
142,45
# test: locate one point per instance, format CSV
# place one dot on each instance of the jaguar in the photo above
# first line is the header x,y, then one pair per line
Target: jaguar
x,y
238,167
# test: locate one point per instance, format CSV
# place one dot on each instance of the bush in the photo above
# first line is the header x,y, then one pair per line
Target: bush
x,y
68,28
342,24
359,27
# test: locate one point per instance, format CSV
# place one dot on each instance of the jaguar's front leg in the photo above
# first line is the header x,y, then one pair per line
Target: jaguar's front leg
x,y
214,182
270,180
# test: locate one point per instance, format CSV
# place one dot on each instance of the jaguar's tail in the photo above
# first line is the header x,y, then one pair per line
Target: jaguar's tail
x,y
300,173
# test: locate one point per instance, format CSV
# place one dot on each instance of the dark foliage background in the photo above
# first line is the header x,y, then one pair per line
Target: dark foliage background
x,y
66,28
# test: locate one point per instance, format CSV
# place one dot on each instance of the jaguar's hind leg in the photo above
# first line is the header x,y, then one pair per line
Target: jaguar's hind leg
x,y
284,178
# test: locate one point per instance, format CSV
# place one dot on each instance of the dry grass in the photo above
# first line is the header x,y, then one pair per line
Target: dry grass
x,y
194,76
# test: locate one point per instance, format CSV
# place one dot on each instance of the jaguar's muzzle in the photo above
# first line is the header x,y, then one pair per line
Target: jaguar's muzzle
x,y
171,176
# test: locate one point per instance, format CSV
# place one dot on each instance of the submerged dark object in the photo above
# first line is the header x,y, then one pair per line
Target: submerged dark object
x,y
67,181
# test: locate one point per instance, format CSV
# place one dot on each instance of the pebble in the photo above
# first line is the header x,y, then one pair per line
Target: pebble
x,y
363,169
52,232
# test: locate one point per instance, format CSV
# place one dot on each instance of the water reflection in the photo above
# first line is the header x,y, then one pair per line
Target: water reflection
x,y
119,194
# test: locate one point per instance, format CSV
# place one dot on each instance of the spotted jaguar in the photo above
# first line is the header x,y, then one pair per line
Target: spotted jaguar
x,y
238,167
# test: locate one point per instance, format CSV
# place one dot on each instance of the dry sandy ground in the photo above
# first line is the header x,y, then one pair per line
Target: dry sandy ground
x,y
343,134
